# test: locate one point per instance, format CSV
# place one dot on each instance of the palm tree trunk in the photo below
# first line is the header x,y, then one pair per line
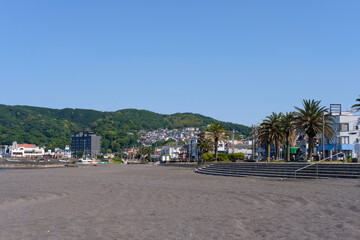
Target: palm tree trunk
x,y
216,149
288,151
310,150
277,151
268,152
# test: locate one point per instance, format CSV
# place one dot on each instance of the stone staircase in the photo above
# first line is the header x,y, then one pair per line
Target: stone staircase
x,y
283,170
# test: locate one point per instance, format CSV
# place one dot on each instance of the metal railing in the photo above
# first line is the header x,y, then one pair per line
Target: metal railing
x,y
316,163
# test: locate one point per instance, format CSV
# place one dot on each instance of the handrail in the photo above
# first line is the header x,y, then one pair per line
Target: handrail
x,y
297,170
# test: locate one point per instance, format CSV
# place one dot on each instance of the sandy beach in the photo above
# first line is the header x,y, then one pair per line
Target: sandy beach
x,y
155,202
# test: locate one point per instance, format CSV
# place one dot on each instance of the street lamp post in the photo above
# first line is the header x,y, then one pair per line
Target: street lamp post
x,y
323,138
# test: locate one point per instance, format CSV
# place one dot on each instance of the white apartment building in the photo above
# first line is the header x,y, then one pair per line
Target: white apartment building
x,y
173,152
347,135
244,147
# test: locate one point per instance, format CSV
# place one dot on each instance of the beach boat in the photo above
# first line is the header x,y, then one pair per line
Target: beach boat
x,y
87,161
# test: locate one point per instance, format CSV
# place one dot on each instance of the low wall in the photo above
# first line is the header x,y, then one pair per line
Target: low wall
x,y
28,165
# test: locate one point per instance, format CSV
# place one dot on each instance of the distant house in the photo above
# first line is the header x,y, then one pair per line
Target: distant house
x,y
63,153
23,150
184,151
173,152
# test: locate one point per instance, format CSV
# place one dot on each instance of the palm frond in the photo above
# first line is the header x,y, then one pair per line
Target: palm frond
x,y
356,106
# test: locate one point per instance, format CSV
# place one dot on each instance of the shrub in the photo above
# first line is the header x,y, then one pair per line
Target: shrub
x,y
208,156
117,160
223,157
236,156
239,156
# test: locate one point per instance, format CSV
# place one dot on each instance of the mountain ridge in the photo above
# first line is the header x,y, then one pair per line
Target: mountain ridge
x,y
53,127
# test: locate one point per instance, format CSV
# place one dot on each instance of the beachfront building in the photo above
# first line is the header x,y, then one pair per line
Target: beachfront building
x,y
237,146
194,151
172,151
63,153
23,150
86,142
347,135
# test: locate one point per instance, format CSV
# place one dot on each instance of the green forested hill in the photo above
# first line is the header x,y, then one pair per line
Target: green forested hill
x,y
53,127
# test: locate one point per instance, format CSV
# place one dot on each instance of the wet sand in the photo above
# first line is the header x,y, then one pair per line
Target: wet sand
x,y
154,202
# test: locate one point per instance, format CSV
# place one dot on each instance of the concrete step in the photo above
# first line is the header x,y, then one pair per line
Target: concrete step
x,y
275,166
310,169
246,174
282,170
330,166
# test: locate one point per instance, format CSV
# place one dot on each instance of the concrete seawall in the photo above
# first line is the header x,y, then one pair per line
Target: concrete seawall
x,y
28,165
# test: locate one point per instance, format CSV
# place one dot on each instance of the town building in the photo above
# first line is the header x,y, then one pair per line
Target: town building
x,y
86,142
23,150
237,146
173,152
347,135
62,153
193,149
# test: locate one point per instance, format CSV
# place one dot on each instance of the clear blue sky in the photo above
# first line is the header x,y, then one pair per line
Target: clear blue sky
x,y
235,61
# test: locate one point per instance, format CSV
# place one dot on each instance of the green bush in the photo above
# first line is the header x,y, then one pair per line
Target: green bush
x,y
239,156
236,156
117,160
79,154
223,157
208,156
349,158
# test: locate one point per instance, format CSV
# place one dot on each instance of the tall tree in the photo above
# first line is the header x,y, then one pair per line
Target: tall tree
x,y
309,120
216,133
356,106
289,131
270,132
204,145
146,152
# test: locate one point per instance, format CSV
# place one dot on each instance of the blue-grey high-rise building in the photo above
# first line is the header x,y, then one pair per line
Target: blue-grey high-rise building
x,y
87,142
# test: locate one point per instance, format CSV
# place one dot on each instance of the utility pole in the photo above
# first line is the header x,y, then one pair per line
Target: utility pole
x,y
84,149
323,137
252,142
189,149
336,138
232,141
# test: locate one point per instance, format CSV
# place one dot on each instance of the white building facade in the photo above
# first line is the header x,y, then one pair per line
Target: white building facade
x,y
23,150
172,152
347,136
236,146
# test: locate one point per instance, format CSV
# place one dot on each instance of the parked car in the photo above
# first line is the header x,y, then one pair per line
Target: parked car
x,y
256,159
12,160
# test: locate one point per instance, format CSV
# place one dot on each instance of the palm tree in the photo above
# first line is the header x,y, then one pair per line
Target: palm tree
x,y
204,145
288,127
356,106
264,138
270,132
145,152
310,121
216,133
